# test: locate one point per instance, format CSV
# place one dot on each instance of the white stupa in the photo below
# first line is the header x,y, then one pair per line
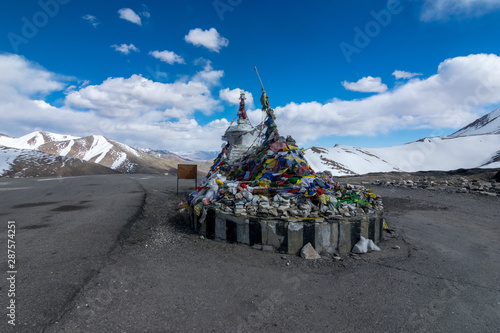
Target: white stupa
x,y
242,135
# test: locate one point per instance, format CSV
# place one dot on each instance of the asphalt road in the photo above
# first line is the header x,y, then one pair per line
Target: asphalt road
x,y
74,275
66,229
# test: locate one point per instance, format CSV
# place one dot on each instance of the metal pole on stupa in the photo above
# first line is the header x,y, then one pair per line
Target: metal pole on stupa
x,y
255,69
264,99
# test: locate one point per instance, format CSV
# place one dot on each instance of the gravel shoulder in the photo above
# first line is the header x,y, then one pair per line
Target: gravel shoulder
x,y
164,278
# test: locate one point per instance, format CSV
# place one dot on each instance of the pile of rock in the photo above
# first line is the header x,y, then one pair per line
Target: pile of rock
x,y
481,187
460,185
344,200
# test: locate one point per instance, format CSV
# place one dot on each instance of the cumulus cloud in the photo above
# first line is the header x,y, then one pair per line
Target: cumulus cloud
x,y
168,56
208,75
23,88
124,48
129,15
233,97
404,75
92,20
366,84
439,10
121,97
136,96
182,135
463,88
211,39
21,77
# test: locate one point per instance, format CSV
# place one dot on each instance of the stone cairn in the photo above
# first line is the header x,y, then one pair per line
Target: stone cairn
x,y
273,179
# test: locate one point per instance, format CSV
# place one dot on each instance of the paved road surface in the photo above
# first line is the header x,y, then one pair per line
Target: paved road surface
x,y
65,230
75,277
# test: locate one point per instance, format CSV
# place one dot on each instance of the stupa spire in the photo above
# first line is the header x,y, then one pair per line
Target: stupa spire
x,y
242,112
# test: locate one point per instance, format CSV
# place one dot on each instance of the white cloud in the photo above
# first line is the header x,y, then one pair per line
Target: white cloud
x,y
168,56
233,97
439,10
208,75
207,38
124,48
404,75
366,84
129,15
23,86
120,97
20,77
92,20
463,88
136,96
183,135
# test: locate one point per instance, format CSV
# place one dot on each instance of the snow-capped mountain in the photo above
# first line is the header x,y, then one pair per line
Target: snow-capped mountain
x,y
477,145
31,163
165,154
32,140
199,155
96,149
109,153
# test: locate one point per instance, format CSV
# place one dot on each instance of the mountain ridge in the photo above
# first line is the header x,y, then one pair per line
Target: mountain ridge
x,y
487,124
16,162
96,149
476,145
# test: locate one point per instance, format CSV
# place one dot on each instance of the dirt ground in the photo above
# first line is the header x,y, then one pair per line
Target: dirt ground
x,y
437,272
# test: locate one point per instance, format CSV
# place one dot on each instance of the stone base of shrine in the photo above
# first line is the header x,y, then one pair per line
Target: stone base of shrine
x,y
289,235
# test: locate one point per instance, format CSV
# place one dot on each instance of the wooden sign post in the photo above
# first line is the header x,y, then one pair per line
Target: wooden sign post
x,y
187,171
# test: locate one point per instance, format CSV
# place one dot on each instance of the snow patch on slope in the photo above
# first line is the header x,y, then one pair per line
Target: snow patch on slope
x,y
7,157
100,147
67,149
119,161
128,148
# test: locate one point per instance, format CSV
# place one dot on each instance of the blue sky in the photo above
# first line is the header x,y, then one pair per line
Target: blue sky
x,y
167,74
